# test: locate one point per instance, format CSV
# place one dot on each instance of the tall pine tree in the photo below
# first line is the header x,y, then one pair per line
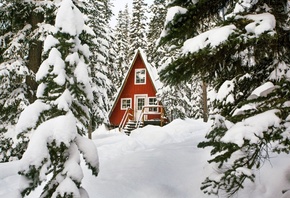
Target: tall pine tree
x,y
122,45
182,100
99,14
249,66
158,14
57,121
138,27
23,25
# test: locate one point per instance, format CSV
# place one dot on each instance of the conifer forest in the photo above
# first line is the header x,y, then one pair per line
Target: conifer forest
x,y
224,71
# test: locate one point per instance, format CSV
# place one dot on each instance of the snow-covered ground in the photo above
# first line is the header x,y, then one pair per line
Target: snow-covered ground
x,y
160,162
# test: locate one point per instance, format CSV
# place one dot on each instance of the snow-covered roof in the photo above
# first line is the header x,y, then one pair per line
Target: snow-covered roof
x,y
152,71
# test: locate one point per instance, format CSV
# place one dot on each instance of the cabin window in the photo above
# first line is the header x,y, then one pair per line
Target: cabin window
x,y
153,101
140,76
126,103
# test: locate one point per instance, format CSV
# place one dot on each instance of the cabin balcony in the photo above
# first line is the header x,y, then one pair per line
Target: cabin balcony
x,y
150,115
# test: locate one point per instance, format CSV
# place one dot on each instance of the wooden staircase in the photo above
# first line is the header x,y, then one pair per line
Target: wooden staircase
x,y
131,125
128,123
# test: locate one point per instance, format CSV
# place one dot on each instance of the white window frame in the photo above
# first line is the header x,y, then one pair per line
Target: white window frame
x,y
135,80
151,109
123,99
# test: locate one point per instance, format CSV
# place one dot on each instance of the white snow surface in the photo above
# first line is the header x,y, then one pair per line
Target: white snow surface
x,y
64,101
158,163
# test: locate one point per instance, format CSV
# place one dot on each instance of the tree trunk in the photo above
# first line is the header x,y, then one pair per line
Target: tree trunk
x,y
204,101
34,57
90,128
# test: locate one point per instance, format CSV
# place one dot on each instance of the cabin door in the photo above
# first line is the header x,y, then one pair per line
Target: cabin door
x,y
140,101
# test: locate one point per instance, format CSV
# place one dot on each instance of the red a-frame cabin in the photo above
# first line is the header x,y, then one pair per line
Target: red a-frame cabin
x,y
137,92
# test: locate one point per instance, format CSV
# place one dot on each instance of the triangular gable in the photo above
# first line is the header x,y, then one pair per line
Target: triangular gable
x,y
151,71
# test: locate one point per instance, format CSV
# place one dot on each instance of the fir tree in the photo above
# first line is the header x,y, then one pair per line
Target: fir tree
x,y
122,41
253,56
102,60
157,20
138,27
57,121
182,100
20,43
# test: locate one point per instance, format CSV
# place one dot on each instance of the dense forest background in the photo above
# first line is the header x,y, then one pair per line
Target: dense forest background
x,y
61,62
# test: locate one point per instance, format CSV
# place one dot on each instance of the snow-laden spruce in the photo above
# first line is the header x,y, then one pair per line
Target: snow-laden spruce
x,y
241,47
57,121
138,27
102,67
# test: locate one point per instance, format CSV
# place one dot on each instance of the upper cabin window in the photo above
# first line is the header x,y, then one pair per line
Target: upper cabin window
x,y
140,76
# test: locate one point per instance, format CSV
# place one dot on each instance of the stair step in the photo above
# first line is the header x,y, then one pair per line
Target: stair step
x,y
131,125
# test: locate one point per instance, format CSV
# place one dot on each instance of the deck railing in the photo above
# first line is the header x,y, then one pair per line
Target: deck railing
x,y
128,115
160,111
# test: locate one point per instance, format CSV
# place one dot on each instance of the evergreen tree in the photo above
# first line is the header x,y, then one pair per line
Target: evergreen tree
x,y
180,101
249,67
157,20
138,27
102,60
20,43
57,121
122,41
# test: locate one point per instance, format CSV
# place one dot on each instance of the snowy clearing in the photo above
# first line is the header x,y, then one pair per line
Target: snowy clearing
x,y
158,163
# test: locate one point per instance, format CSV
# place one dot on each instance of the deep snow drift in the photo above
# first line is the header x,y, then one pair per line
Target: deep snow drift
x,y
160,162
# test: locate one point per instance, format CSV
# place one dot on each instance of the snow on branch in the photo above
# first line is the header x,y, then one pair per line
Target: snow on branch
x,y
252,128
69,19
261,23
212,38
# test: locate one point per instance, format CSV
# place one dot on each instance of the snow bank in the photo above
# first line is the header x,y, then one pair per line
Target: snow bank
x,y
160,162
147,137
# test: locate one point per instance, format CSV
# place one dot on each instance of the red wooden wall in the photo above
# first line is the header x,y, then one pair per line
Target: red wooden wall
x,y
130,89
